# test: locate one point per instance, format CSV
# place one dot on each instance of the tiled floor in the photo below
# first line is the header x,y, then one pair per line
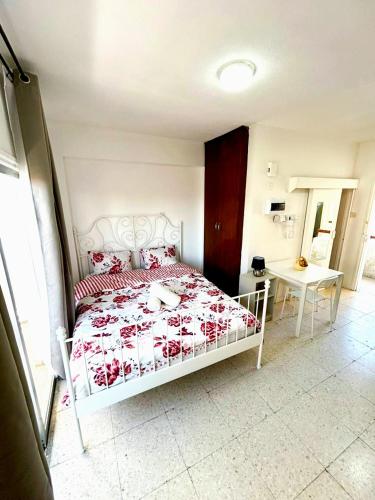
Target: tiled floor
x,y
301,427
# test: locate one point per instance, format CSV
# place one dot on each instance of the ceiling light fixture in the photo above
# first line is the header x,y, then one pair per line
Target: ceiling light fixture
x,y
235,76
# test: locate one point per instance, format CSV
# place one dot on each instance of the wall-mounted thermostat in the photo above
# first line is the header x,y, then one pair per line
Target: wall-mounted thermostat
x,y
274,207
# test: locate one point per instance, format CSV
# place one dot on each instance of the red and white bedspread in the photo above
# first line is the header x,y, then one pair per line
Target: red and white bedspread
x,y
117,338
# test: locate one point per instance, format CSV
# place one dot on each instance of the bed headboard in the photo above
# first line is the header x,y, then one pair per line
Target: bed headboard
x,y
126,232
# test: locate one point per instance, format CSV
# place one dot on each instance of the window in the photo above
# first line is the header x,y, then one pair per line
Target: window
x,y
22,278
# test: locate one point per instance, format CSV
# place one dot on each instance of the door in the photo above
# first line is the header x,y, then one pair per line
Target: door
x,y
367,234
346,203
225,184
320,225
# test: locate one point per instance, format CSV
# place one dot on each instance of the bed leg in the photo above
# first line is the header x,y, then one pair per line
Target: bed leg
x,y
259,362
83,449
62,336
267,284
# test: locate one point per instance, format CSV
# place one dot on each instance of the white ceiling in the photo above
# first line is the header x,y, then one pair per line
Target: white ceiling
x,y
150,66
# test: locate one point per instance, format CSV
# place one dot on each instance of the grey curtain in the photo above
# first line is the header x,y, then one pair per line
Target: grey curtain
x,y
33,145
24,471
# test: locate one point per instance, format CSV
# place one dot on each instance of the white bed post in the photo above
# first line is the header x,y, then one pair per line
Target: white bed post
x,y
62,336
266,288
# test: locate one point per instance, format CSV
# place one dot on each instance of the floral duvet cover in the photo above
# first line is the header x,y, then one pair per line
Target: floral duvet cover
x,y
116,337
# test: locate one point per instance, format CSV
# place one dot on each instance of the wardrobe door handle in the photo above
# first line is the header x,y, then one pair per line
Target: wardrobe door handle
x,y
215,226
219,226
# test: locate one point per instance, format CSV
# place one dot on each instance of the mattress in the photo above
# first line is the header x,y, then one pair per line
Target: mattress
x,y
117,338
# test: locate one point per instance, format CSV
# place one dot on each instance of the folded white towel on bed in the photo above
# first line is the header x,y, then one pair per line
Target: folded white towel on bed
x,y
165,295
153,303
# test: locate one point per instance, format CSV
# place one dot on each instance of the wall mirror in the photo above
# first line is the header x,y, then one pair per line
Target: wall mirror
x,y
320,225
327,217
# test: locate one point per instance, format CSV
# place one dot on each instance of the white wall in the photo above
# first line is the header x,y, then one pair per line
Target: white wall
x,y
104,171
297,155
364,170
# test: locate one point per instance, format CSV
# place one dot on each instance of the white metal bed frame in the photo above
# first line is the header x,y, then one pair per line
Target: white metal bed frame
x,y
126,232
133,233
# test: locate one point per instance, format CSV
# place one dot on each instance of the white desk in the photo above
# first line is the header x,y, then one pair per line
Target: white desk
x,y
284,270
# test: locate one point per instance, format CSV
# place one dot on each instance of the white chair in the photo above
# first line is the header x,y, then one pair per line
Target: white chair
x,y
313,296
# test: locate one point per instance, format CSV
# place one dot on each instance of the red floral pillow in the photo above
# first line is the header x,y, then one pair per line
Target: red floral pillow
x,y
154,258
110,262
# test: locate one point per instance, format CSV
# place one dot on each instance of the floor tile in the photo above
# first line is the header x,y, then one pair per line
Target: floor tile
x,y
281,459
322,355
363,303
341,321
246,361
218,374
346,292
96,428
333,351
182,391
348,312
366,286
280,333
241,407
279,328
274,385
360,379
360,331
367,319
321,325
321,432
301,369
289,327
135,411
228,474
355,471
324,487
348,346
323,315
273,349
90,475
368,360
180,487
347,405
147,456
323,312
351,347
369,436
199,429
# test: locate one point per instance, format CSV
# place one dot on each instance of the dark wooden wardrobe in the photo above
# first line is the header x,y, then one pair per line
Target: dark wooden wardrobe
x,y
224,199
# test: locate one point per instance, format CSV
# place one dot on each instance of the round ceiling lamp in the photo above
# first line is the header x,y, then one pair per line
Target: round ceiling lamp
x,y
235,76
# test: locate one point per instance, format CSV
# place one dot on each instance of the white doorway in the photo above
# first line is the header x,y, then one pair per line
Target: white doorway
x,y
320,225
365,279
